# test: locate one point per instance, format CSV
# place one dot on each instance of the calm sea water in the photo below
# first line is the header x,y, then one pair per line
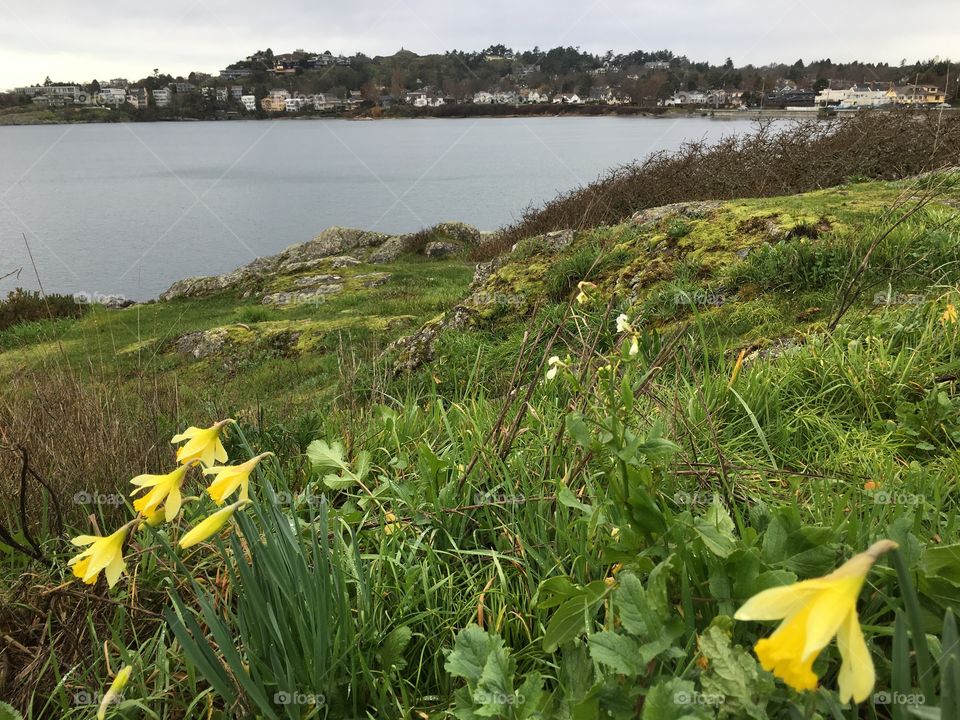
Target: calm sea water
x,y
129,209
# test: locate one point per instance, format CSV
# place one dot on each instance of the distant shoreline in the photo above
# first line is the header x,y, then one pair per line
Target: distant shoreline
x,y
67,116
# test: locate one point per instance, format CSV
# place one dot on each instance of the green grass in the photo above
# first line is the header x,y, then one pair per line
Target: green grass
x,y
602,527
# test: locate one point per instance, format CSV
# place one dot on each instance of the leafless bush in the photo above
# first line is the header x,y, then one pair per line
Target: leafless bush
x,y
85,437
806,156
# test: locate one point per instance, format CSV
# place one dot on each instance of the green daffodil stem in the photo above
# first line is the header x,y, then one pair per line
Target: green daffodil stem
x,y
912,607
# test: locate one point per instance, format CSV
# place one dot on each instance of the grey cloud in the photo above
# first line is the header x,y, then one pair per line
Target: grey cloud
x,y
107,38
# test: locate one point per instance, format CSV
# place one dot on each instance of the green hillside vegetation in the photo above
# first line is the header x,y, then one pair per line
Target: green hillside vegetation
x,y
491,497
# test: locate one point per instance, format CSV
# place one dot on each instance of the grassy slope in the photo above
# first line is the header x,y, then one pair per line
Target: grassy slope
x,y
810,419
261,361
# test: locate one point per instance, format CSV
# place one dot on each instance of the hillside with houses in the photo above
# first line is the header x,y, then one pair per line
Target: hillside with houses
x,y
300,82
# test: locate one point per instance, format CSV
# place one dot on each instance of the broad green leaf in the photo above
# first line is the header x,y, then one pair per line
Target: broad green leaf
x,y
672,699
391,651
470,652
327,457
942,561
529,697
566,498
574,615
7,712
716,529
805,550
617,651
634,609
733,674
494,691
578,430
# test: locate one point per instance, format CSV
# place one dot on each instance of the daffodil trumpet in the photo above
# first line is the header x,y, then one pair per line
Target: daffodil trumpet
x,y
202,444
227,478
812,613
164,491
105,553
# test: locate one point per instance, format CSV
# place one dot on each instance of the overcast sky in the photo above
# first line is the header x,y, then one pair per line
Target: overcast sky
x,y
79,41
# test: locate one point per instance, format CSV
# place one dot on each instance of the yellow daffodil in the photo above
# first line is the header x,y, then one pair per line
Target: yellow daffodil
x,y
949,316
623,324
164,491
211,525
812,612
113,693
230,477
105,553
203,444
583,286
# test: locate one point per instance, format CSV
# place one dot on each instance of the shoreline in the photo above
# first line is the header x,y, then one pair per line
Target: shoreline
x,y
452,112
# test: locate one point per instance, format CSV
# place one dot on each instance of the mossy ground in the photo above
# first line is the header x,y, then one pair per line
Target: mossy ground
x,y
275,356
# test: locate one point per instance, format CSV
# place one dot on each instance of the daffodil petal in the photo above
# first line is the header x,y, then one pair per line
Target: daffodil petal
x,y
115,569
778,602
145,481
827,612
185,435
172,504
857,675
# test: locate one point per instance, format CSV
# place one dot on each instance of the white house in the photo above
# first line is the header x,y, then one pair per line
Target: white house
x,y
687,97
534,96
567,99
483,98
249,102
508,97
854,97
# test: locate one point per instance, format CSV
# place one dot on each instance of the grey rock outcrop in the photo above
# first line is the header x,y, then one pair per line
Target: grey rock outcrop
x,y
438,249
694,209
389,251
334,248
